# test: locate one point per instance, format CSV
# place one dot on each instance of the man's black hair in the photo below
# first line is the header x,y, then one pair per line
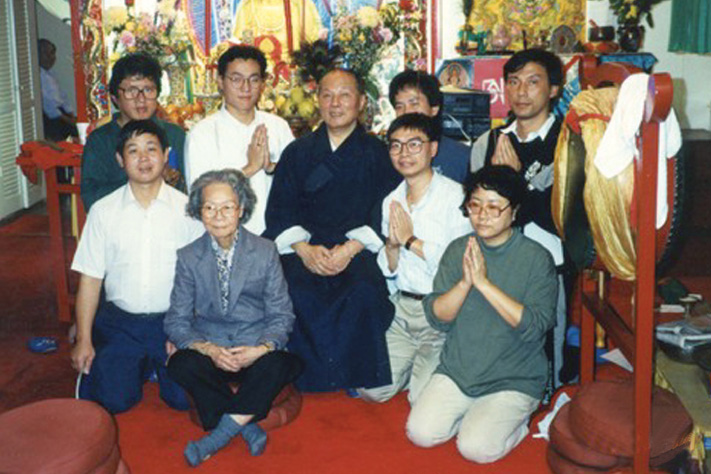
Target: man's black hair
x,y
245,52
418,122
360,83
135,128
135,64
502,179
425,83
550,62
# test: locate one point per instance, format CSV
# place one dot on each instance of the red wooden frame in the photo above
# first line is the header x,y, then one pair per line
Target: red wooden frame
x,y
48,158
635,338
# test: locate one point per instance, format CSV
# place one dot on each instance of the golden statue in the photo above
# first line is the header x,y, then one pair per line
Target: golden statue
x,y
255,18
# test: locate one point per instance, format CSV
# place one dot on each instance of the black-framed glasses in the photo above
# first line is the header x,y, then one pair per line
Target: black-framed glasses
x,y
475,207
227,211
413,145
149,92
237,80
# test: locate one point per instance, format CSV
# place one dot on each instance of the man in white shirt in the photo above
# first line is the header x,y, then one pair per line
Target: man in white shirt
x,y
238,135
533,81
129,246
57,113
420,218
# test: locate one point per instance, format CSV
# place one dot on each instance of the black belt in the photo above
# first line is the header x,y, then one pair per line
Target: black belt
x,y
414,296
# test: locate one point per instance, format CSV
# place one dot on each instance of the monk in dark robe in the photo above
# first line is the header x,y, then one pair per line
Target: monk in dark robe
x,y
324,216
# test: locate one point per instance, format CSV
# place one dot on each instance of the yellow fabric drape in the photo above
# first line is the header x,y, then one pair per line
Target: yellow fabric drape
x,y
607,201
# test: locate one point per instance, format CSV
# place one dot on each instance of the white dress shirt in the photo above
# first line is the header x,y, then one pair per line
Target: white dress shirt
x,y
220,141
436,221
134,249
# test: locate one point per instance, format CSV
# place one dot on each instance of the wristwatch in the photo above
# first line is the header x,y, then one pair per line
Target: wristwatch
x,y
271,347
410,241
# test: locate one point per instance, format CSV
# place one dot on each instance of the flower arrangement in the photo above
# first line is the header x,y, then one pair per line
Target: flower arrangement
x,y
633,11
163,35
364,35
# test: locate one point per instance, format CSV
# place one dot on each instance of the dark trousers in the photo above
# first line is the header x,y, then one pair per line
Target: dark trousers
x,y
209,385
129,348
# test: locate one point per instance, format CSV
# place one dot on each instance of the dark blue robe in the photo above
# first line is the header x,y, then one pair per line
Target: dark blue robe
x,y
340,320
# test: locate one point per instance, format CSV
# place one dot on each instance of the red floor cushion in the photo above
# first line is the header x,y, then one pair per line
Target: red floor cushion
x,y
560,465
59,436
602,417
564,442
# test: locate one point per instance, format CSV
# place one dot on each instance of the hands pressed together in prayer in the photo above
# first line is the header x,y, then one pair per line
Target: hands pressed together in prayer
x,y
327,262
400,226
473,265
231,359
505,154
258,153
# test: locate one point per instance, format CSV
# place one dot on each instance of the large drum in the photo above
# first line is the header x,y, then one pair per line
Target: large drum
x,y
594,214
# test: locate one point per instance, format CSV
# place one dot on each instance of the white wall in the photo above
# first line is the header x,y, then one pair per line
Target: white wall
x,y
692,92
59,33
690,72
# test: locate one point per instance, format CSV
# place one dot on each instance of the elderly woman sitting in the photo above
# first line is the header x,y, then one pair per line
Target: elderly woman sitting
x,y
495,294
230,315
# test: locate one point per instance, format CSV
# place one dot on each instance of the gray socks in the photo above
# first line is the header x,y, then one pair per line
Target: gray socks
x,y
198,451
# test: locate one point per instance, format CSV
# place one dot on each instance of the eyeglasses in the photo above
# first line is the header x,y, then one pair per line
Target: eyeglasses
x,y
132,92
238,81
475,207
413,145
228,210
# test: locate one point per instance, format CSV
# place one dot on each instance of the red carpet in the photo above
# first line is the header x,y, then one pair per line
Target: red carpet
x,y
334,434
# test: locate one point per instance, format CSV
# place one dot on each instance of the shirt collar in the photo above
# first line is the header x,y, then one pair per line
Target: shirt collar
x,y
541,132
224,253
162,196
226,113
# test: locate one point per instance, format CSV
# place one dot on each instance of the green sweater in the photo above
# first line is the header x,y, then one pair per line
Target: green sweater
x,y
101,173
483,354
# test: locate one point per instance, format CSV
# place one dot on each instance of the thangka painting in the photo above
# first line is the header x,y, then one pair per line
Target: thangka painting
x,y
506,21
175,33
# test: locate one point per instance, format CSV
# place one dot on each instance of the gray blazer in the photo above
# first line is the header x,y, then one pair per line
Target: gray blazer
x,y
259,308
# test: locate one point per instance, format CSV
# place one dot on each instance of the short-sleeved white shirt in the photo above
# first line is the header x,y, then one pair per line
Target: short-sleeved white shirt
x,y
436,221
220,141
134,250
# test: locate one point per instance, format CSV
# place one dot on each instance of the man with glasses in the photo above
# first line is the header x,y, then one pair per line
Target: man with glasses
x,y
324,216
417,91
494,294
134,89
420,218
238,135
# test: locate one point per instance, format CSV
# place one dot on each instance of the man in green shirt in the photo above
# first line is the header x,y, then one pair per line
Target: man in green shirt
x,y
134,89
494,295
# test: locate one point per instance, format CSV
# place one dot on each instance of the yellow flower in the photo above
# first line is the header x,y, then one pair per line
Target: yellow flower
x,y
130,26
361,37
115,17
633,12
345,36
368,17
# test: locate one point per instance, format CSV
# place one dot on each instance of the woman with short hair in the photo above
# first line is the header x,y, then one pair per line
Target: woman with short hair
x,y
229,317
494,294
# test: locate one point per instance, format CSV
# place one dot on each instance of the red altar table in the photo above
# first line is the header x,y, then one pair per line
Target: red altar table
x,y
48,157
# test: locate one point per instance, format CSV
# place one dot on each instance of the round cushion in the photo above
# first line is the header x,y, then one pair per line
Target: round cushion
x,y
58,436
602,417
564,442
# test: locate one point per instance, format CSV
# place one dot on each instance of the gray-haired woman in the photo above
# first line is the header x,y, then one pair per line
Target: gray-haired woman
x,y
230,316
